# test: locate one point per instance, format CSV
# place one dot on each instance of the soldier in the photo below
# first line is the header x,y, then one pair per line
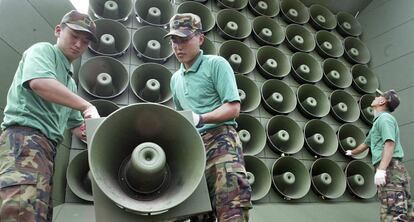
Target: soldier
x,y
41,103
205,84
391,177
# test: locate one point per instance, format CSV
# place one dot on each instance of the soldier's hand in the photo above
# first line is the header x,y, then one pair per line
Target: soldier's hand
x,y
91,112
198,120
379,178
348,153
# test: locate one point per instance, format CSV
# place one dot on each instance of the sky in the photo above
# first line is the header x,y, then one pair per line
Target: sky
x,y
80,5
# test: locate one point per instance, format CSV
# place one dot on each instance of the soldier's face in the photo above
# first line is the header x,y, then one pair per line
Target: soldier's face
x,y
72,43
187,49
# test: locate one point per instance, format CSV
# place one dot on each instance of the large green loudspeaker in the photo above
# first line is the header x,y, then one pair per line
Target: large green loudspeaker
x,y
312,101
356,51
113,38
104,107
153,160
268,8
208,47
150,82
294,11
363,79
284,135
252,134
290,178
305,68
278,97
79,177
267,31
258,176
118,10
344,107
328,45
239,55
207,18
336,74
232,24
155,13
232,4
103,77
272,62
349,137
328,179
249,93
299,38
348,25
321,17
367,112
150,44
360,179
320,139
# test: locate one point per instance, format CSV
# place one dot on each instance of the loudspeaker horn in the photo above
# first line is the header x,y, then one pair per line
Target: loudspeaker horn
x,y
79,177
284,135
104,107
239,55
269,8
336,74
150,44
320,139
154,13
290,178
299,38
360,179
278,97
208,47
118,10
207,18
103,77
305,68
363,79
367,112
267,31
349,137
258,176
356,51
232,4
272,62
328,45
328,179
249,93
321,17
150,82
294,11
312,101
232,24
344,107
252,134
113,38
348,25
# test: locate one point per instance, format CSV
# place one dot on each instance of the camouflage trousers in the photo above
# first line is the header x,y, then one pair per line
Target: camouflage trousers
x,y
26,168
395,195
226,176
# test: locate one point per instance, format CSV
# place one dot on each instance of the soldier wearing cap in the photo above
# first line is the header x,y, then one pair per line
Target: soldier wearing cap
x,y
391,177
41,103
205,84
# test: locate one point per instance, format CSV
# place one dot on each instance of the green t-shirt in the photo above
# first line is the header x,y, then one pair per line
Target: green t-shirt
x,y
26,108
208,84
385,127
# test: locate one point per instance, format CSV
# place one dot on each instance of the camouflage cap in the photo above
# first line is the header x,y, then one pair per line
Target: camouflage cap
x,y
183,25
391,97
80,22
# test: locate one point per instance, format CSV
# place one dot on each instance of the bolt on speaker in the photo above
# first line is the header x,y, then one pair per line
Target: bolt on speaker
x,y
290,178
320,139
208,47
150,44
305,68
206,17
79,177
232,4
239,55
284,135
294,11
328,179
118,10
367,112
363,79
267,31
150,82
272,62
155,13
252,134
360,179
321,17
344,107
258,176
104,107
328,45
103,77
113,38
299,38
348,25
232,24
269,8
336,74
356,51
312,101
349,137
278,97
249,93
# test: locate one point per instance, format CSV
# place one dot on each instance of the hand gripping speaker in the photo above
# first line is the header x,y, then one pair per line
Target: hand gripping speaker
x,y
363,79
284,135
249,93
336,74
252,134
267,31
328,45
294,11
320,139
232,24
344,107
312,101
268,8
349,137
239,55
321,17
305,68
278,97
258,176
348,25
328,179
118,10
360,179
155,13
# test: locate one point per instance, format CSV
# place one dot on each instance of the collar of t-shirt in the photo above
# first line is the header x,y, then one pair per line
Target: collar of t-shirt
x,y
195,66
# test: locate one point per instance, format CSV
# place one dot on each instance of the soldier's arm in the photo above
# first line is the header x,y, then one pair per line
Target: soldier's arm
x,y
360,148
223,113
386,154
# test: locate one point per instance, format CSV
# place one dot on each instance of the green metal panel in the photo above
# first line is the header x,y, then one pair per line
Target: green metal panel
x,y
410,166
404,112
9,59
51,10
59,176
396,74
407,141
